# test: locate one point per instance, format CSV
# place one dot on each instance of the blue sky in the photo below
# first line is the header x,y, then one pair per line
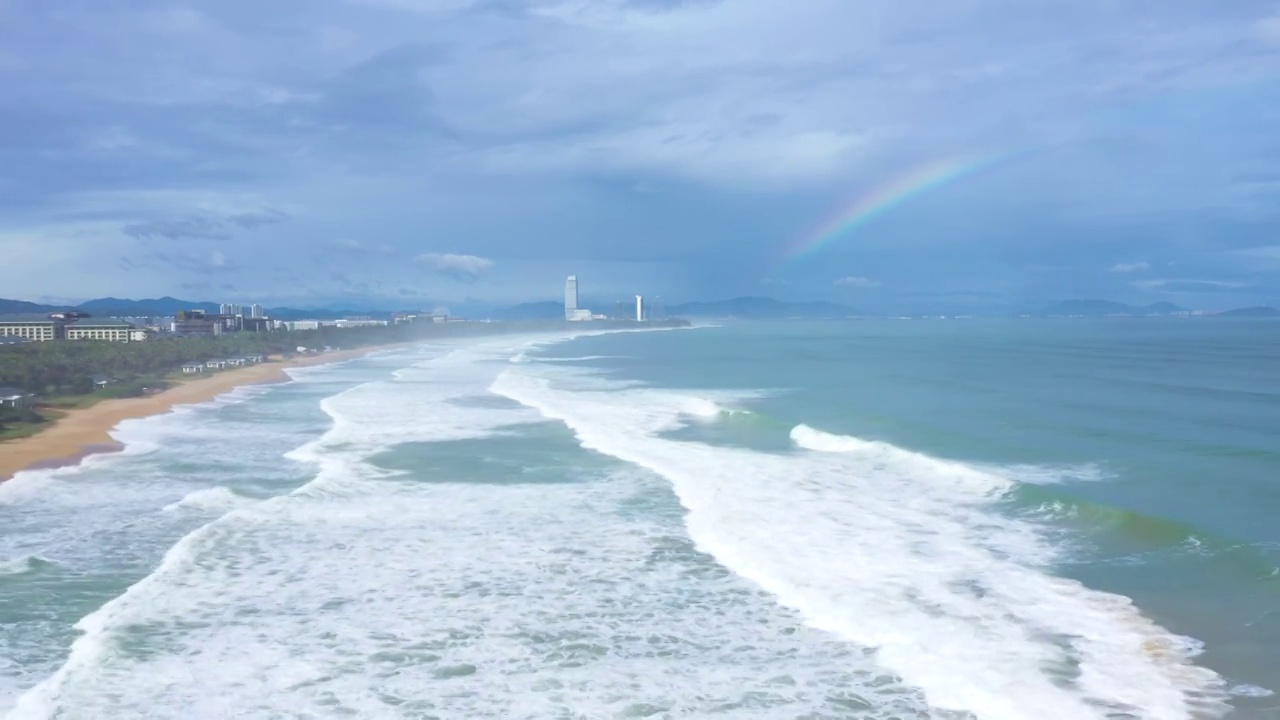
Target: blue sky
x,y
412,152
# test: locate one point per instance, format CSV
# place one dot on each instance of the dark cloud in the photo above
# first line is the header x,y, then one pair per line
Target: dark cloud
x,y
198,262
204,227
191,228
257,218
385,92
463,268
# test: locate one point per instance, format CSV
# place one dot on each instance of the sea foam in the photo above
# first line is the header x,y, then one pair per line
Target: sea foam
x,y
900,552
386,597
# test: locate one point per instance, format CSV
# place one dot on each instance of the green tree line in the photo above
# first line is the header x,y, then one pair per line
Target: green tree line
x,y
67,367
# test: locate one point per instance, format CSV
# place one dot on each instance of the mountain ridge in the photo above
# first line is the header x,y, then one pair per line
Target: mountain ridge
x,y
1102,308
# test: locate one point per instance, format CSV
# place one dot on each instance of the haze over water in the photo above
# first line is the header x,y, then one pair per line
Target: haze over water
x,y
982,519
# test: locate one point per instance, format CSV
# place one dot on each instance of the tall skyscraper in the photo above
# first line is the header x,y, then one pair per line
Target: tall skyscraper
x,y
571,298
639,308
230,309
255,311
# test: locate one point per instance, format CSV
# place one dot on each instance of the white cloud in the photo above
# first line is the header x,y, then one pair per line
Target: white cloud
x,y
217,259
1131,267
1268,252
1269,29
1185,285
358,246
857,282
467,268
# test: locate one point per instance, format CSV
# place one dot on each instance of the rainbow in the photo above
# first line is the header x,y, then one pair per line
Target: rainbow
x,y
887,196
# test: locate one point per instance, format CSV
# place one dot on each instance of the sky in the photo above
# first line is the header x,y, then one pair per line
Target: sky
x,y
408,153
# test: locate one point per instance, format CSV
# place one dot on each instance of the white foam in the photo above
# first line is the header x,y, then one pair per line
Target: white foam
x,y
390,598
21,565
997,478
583,358
901,552
1250,691
214,498
103,522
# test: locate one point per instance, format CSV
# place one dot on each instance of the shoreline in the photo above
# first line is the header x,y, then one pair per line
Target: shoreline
x,y
82,432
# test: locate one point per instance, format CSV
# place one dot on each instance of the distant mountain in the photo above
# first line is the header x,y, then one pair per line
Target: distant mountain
x,y
1101,308
21,306
760,308
131,308
1260,311
548,310
167,306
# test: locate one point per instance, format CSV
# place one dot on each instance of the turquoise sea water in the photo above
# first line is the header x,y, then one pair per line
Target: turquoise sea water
x,y
960,519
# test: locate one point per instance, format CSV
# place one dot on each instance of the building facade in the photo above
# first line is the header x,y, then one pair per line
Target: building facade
x,y
32,327
110,330
14,397
639,308
196,322
256,311
571,297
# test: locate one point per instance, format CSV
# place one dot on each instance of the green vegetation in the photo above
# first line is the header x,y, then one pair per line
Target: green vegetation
x,y
67,368
19,422
61,372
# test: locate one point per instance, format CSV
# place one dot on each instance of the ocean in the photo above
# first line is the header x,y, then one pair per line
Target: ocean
x,y
876,519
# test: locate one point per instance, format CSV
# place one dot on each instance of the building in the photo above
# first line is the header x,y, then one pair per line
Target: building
x,y
14,340
252,324
570,297
108,329
32,327
101,381
256,311
14,397
192,368
359,321
140,334
196,323
230,310
639,308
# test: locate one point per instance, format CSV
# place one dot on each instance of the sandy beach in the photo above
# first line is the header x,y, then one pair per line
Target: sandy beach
x,y
85,431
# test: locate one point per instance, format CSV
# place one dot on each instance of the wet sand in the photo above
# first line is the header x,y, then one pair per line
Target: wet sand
x,y
86,431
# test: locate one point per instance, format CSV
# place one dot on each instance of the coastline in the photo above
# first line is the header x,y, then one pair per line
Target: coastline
x,y
82,432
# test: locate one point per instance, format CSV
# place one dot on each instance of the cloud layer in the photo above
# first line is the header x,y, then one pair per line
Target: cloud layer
x,y
660,147
467,268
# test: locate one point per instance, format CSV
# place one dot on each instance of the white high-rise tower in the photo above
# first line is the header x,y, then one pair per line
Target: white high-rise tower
x,y
571,298
639,308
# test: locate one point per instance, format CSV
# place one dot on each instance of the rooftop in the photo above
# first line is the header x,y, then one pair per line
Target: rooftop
x,y
27,319
101,323
8,392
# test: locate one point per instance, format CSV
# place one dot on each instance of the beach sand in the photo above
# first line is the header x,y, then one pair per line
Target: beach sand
x,y
83,432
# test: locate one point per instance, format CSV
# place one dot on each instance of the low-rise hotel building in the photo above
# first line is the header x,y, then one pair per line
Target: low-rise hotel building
x,y
109,329
32,327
